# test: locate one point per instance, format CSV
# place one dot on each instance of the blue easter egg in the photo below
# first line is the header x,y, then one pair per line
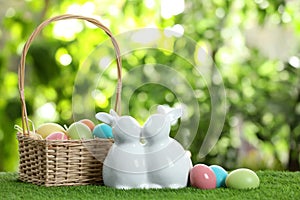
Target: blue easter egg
x,y
221,175
103,131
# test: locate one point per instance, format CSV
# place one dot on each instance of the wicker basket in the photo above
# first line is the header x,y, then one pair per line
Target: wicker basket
x,y
62,162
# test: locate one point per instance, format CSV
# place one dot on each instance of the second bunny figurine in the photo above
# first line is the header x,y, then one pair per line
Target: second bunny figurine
x,y
158,161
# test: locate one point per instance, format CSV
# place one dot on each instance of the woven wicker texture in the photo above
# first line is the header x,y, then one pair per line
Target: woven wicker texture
x,y
62,162
55,163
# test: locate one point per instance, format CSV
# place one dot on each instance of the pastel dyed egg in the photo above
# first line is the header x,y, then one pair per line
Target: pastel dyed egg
x,y
35,136
89,123
57,136
78,130
46,129
103,131
221,175
242,179
201,176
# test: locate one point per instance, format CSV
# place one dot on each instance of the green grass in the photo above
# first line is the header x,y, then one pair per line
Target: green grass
x,y
274,185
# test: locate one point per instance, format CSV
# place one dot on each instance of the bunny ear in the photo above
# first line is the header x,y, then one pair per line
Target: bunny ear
x,y
113,113
163,109
174,114
105,117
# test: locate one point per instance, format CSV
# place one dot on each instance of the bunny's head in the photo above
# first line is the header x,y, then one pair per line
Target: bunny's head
x,y
125,128
158,126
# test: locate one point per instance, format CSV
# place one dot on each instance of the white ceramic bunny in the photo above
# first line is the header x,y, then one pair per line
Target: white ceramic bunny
x,y
124,166
168,164
159,162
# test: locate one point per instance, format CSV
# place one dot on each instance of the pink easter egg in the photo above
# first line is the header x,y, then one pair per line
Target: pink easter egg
x,y
89,123
201,176
57,136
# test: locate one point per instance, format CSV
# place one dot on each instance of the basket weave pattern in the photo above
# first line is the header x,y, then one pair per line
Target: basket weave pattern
x,y
62,162
50,162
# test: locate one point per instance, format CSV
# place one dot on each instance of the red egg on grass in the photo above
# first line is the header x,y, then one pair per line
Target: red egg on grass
x,y
201,176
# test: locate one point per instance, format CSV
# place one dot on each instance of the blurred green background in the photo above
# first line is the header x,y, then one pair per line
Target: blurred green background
x,y
254,43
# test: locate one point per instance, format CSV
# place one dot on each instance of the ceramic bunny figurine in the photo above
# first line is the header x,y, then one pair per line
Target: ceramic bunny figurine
x,y
159,162
124,166
168,164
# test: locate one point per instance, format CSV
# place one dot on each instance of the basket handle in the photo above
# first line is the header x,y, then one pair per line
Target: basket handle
x,y
21,69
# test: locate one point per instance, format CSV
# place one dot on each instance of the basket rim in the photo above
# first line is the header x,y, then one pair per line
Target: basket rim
x,y
21,135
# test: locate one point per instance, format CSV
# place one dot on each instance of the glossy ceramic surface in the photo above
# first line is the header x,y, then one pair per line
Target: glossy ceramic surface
x,y
145,156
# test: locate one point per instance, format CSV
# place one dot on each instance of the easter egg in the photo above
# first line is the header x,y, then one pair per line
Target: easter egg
x,y
46,129
89,123
221,175
242,179
78,130
57,136
201,176
103,131
35,136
